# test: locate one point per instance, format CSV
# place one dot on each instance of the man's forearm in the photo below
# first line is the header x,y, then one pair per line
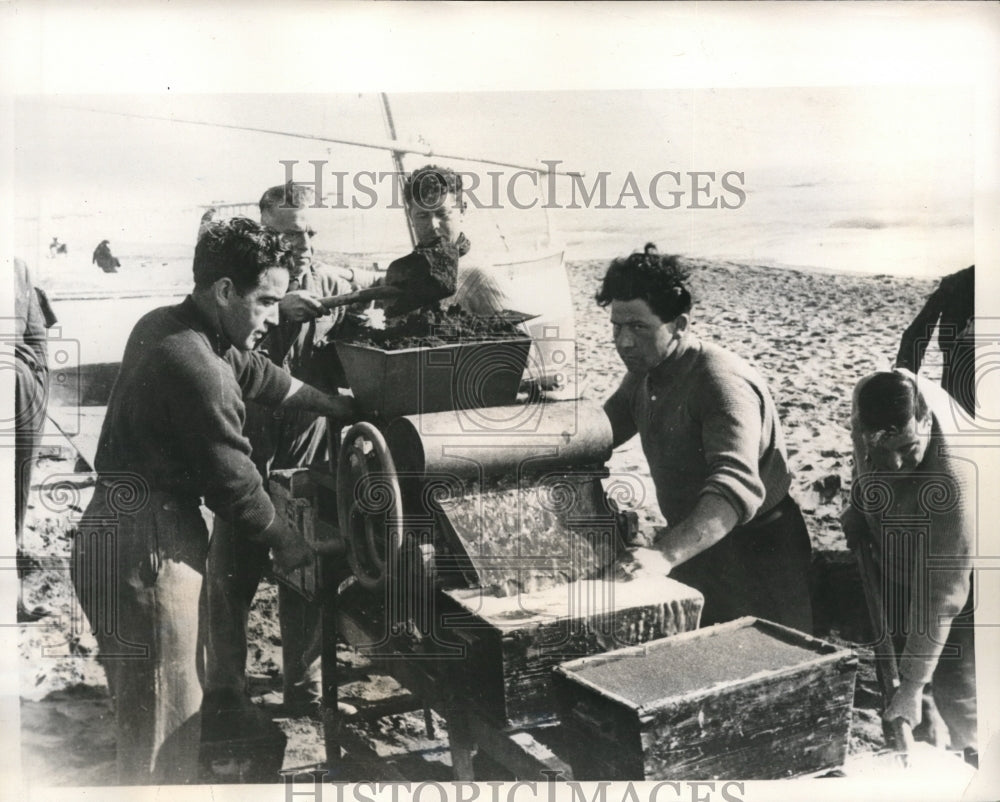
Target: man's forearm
x,y
913,343
711,520
305,396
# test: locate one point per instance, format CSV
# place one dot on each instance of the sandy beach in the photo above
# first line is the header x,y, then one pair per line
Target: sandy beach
x,y
811,334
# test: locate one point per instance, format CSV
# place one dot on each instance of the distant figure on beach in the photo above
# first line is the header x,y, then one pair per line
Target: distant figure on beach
x,y
951,308
104,259
913,502
711,435
56,248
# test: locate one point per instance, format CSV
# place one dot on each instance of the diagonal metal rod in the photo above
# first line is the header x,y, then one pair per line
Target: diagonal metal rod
x,y
389,145
397,161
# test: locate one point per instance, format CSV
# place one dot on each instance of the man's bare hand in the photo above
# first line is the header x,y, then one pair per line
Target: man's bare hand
x,y
292,554
304,396
907,703
344,408
300,305
650,562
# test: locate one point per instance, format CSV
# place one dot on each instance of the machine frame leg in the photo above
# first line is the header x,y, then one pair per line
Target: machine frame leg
x,y
461,741
328,664
328,592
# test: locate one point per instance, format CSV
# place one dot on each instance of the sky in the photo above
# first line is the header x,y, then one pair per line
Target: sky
x,y
75,152
136,168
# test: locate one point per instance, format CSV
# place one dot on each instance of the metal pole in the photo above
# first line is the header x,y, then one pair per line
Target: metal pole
x,y
390,146
397,160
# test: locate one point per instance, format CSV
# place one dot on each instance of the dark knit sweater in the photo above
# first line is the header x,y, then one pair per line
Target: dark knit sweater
x,y
708,425
176,412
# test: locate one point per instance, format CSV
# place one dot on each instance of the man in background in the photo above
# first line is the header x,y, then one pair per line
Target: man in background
x,y
104,259
434,201
952,309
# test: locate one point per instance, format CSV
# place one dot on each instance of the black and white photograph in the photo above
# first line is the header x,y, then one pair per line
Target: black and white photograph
x,y
581,401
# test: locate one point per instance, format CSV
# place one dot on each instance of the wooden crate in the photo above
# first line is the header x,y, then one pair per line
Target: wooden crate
x,y
744,700
511,644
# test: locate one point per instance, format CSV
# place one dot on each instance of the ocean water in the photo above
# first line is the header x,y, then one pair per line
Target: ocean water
x,y
845,226
839,226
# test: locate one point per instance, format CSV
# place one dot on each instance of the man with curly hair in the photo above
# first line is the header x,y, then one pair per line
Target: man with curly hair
x,y
711,435
172,438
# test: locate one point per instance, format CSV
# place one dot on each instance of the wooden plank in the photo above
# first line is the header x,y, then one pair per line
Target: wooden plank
x,y
376,766
518,752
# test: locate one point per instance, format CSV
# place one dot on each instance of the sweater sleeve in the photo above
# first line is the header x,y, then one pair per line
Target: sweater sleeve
x,y
209,414
259,378
731,415
913,343
362,278
618,408
940,586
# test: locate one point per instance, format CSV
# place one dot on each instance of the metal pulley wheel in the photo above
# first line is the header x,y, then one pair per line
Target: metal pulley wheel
x,y
370,505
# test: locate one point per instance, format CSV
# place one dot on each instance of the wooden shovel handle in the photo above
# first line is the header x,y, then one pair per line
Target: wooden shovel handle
x,y
361,296
902,735
885,665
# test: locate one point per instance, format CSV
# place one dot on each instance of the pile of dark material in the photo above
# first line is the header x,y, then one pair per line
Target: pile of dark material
x,y
432,326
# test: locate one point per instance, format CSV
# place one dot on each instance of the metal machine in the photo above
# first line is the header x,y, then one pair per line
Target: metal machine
x,y
484,548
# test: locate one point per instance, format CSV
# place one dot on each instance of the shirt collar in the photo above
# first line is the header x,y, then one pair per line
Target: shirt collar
x,y
305,278
687,349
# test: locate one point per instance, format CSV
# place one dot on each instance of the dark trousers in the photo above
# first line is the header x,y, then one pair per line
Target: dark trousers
x,y
757,569
236,566
235,569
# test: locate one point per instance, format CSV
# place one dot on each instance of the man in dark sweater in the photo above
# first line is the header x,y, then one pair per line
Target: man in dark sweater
x,y
951,308
302,345
716,453
171,439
